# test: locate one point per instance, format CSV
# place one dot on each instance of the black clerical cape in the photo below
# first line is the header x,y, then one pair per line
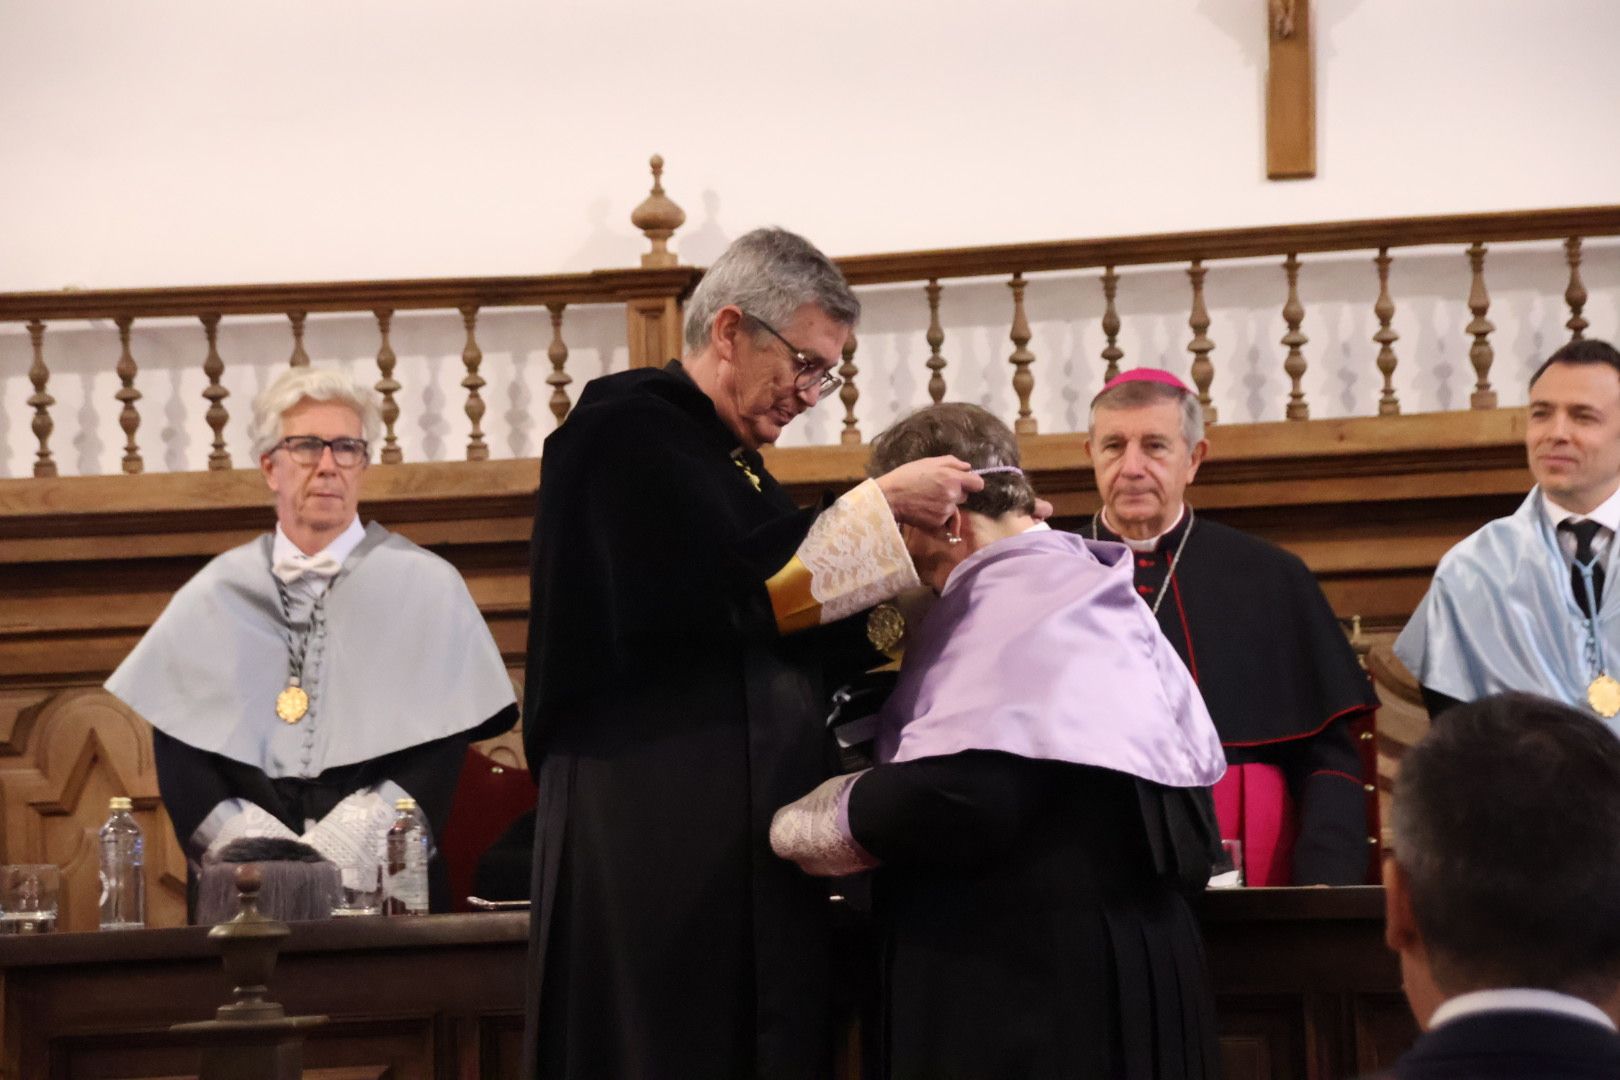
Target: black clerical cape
x,y
666,720
1283,687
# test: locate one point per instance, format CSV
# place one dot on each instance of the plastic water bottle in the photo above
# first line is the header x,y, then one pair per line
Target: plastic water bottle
x,y
123,880
406,885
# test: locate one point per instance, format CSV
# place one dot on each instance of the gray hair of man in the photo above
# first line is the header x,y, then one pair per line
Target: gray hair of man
x,y
1134,395
1507,827
966,432
770,274
314,384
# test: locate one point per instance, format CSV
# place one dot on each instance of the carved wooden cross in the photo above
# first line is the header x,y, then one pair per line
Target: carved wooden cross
x,y
1290,92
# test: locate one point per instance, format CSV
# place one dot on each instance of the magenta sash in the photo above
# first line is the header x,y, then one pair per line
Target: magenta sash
x,y
1252,805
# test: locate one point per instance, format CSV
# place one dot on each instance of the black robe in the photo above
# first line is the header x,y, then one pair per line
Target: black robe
x,y
1278,676
192,782
666,720
1033,921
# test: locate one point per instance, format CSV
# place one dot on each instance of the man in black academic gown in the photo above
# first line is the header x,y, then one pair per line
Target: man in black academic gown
x,y
1503,897
1280,680
686,626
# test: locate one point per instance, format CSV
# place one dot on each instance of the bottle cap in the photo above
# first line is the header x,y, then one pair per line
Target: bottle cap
x,y
404,804
120,802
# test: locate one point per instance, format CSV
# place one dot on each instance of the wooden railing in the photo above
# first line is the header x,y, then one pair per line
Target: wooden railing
x,y
652,294
1198,249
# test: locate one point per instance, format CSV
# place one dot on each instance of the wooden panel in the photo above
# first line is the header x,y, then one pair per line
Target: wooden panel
x,y
66,757
1304,989
1262,1037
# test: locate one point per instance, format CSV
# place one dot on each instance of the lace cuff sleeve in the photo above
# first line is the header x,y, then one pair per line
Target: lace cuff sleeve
x,y
814,832
233,819
852,558
353,833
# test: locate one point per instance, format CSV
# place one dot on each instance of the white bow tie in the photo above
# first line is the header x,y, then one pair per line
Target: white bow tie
x,y
289,568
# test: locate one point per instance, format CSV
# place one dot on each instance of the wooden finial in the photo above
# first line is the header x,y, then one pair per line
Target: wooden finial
x,y
249,944
658,217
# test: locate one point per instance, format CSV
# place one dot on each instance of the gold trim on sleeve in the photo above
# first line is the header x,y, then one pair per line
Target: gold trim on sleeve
x,y
792,602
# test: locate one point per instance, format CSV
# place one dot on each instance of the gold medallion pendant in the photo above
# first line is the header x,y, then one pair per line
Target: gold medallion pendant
x,y
885,628
292,703
1603,694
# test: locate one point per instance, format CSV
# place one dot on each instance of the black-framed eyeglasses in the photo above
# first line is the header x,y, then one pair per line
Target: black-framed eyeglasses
x,y
809,372
347,452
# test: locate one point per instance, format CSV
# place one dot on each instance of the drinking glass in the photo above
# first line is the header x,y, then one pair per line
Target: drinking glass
x,y
28,898
1227,872
359,889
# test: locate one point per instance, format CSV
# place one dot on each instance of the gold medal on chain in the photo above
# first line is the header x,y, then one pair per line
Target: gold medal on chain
x,y
1603,694
292,703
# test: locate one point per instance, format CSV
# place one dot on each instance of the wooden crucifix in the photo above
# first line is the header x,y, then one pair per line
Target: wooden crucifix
x,y
1290,92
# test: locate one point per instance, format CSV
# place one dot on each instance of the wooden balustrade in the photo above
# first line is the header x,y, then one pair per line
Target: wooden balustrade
x,y
651,296
935,338
849,393
1389,403
557,353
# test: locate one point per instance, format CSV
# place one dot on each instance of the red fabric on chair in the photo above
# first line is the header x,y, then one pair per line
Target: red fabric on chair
x,y
489,798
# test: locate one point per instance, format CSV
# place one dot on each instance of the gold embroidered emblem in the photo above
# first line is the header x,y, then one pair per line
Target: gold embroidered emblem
x,y
752,477
885,628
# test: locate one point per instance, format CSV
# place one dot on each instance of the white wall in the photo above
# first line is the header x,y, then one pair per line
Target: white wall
x,y
181,141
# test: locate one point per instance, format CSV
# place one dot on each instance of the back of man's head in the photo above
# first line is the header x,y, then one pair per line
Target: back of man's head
x,y
1507,833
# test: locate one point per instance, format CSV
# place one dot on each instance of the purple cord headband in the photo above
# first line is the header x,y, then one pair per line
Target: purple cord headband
x,y
998,469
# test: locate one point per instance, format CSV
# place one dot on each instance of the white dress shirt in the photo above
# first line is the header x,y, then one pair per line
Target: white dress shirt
x,y
314,585
1607,514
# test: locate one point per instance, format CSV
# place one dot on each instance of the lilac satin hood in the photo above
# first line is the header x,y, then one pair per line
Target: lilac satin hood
x,y
1040,647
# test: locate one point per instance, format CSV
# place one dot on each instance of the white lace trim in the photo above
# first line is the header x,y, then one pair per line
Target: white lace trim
x,y
353,833
807,832
233,819
855,554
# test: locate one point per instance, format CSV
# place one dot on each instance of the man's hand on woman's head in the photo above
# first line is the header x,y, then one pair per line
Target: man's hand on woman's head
x,y
925,492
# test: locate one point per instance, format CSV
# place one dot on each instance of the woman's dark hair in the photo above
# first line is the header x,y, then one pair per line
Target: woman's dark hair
x,y
965,431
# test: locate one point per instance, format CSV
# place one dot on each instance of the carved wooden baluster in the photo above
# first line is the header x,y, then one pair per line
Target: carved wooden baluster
x,y
1112,354
128,418
1384,308
300,358
214,367
936,338
1480,353
1294,364
1575,295
1021,358
849,393
558,354
1203,369
41,402
472,356
388,386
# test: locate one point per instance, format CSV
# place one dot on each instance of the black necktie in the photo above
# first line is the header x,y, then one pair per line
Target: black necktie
x,y
1584,532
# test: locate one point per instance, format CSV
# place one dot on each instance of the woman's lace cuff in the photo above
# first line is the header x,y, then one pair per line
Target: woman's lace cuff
x,y
814,831
852,558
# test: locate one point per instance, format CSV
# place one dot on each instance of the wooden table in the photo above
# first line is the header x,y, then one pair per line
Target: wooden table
x,y
1304,988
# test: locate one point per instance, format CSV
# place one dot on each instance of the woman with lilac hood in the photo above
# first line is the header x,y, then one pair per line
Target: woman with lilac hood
x,y
1039,806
